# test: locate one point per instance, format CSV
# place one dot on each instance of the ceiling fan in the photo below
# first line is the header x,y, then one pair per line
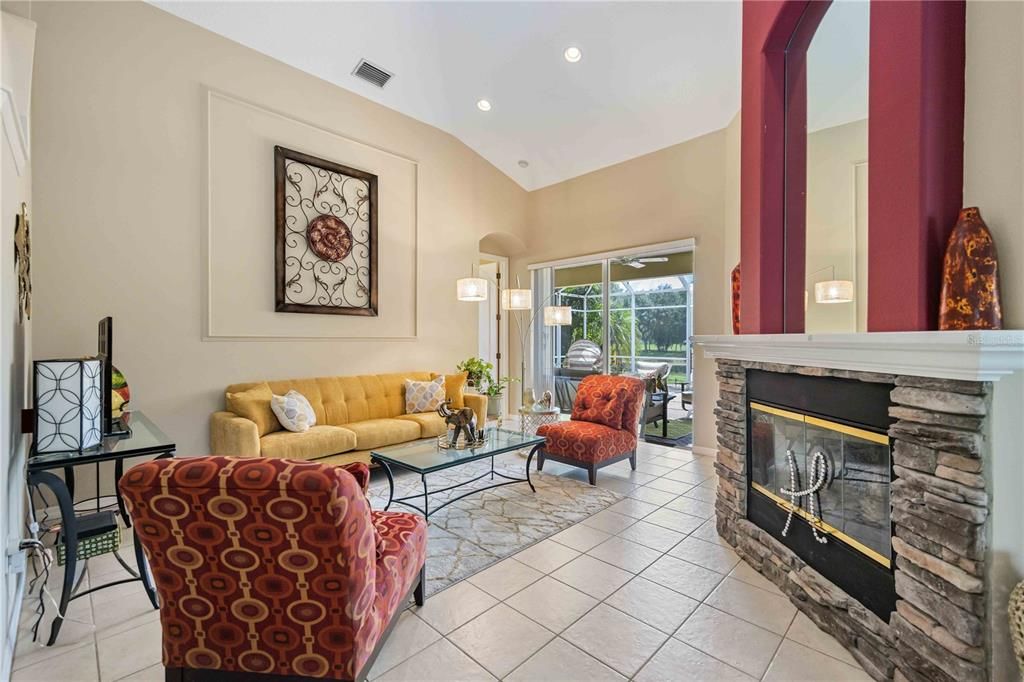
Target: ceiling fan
x,y
640,262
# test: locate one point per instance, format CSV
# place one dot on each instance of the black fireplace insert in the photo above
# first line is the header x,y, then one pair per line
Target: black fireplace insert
x,y
820,464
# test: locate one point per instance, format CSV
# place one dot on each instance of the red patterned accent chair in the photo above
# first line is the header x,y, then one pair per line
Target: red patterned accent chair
x,y
272,569
603,428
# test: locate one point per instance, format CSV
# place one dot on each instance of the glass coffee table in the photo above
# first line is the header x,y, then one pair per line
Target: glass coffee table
x,y
424,457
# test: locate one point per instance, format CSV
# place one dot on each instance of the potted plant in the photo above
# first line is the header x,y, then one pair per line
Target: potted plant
x,y
478,371
494,390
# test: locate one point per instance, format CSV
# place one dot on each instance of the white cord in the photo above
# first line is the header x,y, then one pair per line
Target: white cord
x,y
37,551
819,476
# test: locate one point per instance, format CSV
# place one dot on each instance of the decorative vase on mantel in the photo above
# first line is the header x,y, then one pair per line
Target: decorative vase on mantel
x,y
735,280
970,277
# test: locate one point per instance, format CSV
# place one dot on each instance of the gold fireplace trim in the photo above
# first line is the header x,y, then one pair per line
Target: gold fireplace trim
x,y
882,439
786,505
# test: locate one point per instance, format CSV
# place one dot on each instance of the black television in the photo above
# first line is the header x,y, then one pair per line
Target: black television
x,y
105,352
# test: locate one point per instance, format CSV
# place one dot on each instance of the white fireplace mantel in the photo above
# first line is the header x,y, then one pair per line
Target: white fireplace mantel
x,y
966,355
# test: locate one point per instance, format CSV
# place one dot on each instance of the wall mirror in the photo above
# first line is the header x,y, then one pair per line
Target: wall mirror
x,y
827,169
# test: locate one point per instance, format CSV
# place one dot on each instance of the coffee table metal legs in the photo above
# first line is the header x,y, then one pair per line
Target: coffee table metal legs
x,y
425,495
529,460
391,480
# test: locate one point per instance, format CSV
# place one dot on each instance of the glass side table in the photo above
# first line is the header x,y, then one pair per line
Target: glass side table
x,y
143,438
531,419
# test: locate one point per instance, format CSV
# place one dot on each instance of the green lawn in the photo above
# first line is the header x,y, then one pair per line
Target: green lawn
x,y
661,354
677,428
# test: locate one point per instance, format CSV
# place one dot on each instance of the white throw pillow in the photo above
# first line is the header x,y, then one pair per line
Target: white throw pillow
x,y
293,411
423,396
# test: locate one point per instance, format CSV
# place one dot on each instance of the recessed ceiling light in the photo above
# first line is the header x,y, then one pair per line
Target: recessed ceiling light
x,y
572,54
483,105
524,164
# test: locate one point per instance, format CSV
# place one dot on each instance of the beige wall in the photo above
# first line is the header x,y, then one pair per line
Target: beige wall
x,y
994,181
675,193
119,144
731,224
994,139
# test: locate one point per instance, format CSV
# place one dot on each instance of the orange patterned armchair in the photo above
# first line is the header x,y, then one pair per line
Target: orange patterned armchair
x,y
603,427
272,569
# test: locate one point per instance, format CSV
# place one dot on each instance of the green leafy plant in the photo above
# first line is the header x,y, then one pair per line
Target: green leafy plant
x,y
479,371
495,389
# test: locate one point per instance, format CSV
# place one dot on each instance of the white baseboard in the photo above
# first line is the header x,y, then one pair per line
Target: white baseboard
x,y
11,635
704,450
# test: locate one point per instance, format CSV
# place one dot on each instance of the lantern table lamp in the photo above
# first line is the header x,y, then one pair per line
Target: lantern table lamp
x,y
68,404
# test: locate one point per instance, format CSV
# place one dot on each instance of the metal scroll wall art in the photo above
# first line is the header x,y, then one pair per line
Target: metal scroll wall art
x,y
23,264
326,236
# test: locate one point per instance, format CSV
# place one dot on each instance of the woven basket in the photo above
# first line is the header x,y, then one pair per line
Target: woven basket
x,y
1015,609
92,546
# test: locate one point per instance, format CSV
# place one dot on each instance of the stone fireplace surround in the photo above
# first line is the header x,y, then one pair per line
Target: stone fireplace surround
x,y
957,435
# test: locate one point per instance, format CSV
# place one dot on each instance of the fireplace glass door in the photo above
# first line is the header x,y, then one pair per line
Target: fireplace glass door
x,y
849,466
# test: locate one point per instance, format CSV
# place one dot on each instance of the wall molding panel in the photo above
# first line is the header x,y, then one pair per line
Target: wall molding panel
x,y
238,228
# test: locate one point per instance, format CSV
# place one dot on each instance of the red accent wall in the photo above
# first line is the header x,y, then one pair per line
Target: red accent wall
x,y
767,27
915,151
915,157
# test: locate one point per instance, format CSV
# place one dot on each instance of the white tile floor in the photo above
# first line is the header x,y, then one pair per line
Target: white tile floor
x,y
644,590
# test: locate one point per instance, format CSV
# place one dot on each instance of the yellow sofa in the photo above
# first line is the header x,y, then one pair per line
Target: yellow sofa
x,y
353,415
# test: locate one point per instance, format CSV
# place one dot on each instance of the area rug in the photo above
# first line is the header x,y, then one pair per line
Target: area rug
x,y
680,433
477,531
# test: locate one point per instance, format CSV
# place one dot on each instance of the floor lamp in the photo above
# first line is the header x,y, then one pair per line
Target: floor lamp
x,y
474,289
515,301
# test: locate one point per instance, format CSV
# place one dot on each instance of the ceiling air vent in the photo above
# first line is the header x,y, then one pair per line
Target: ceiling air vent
x,y
373,74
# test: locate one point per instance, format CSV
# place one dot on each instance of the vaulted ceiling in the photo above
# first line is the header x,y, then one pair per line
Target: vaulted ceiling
x,y
652,74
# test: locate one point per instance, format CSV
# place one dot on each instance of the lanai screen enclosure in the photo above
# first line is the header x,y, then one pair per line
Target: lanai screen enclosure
x,y
649,316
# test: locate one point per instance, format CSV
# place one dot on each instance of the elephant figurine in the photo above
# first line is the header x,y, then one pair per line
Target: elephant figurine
x,y
462,420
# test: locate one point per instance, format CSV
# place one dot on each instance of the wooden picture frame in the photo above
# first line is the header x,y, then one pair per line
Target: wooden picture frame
x,y
325,236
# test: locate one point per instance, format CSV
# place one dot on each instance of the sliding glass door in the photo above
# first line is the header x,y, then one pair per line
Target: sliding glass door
x,y
580,288
651,315
631,314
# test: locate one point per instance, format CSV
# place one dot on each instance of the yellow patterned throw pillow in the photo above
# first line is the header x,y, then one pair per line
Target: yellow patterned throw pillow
x,y
423,396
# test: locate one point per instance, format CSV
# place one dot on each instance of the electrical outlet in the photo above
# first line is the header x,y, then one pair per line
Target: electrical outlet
x,y
16,557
